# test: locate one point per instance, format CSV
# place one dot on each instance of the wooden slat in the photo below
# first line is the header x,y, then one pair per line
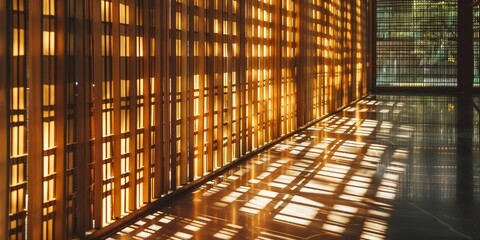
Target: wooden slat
x,y
35,151
243,76
277,70
158,107
249,76
60,117
191,90
4,116
353,93
173,97
256,124
211,86
183,74
147,142
98,143
83,128
117,158
167,48
201,82
240,92
231,66
132,75
301,76
218,70
262,79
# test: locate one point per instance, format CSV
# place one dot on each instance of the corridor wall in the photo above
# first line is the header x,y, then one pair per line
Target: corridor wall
x,y
110,105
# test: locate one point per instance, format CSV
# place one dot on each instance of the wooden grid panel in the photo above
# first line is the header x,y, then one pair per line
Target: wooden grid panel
x,y
260,67
132,108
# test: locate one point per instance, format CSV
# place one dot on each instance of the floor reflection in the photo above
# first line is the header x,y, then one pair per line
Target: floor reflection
x,y
386,168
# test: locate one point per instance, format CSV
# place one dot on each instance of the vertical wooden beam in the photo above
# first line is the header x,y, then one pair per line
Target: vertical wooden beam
x,y
465,63
132,75
219,82
353,88
301,77
4,116
211,86
277,70
83,128
249,77
191,90
201,82
35,151
185,135
243,76
117,135
173,95
166,50
255,66
262,79
147,131
158,70
241,82
228,65
98,207
60,116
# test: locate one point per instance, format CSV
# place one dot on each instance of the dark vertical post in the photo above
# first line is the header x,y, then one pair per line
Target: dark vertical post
x,y
158,71
173,95
191,93
301,76
465,47
465,182
277,71
183,72
60,116
353,53
98,134
4,117
35,150
82,158
211,87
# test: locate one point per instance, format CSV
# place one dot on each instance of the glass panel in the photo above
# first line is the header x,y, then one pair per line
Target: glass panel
x,y
416,43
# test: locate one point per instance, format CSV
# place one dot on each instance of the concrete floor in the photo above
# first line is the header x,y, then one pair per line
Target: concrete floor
x,y
390,167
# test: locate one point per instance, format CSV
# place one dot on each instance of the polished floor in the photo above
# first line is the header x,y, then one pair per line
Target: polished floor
x,y
390,167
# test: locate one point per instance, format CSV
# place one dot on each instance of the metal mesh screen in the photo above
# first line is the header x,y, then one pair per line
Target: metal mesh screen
x,y
476,45
416,43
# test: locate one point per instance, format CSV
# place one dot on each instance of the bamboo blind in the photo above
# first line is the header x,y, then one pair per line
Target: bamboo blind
x,y
113,104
